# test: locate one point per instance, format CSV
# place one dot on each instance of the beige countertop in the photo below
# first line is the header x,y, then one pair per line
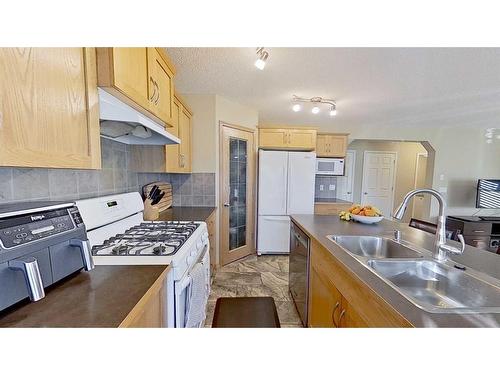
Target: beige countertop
x,y
319,226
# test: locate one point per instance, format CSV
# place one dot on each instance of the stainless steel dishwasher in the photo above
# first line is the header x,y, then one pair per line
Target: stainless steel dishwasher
x,y
299,270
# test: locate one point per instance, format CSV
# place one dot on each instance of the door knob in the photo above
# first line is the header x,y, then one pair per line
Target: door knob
x,y
226,204
365,193
29,267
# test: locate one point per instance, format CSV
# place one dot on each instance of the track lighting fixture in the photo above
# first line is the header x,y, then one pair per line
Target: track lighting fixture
x,y
263,55
316,100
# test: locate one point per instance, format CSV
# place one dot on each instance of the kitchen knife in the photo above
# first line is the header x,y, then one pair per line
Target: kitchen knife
x,y
152,191
158,198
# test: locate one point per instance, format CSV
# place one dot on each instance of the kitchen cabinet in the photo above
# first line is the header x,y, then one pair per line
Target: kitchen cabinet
x,y
285,138
150,311
339,299
211,237
330,208
141,77
161,86
178,157
331,145
49,114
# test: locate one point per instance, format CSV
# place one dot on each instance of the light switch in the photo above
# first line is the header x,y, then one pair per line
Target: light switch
x,y
331,187
321,187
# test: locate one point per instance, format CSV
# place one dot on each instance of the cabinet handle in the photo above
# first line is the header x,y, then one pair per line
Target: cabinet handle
x,y
333,314
478,231
154,89
341,316
158,91
289,138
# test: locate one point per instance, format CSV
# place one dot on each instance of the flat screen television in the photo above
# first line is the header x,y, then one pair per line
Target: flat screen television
x,y
488,194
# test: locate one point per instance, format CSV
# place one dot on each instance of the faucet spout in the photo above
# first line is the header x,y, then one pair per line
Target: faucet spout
x,y
441,248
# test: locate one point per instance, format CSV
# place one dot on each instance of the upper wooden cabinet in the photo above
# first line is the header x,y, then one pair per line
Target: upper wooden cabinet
x,y
141,77
331,145
287,138
161,86
49,115
178,157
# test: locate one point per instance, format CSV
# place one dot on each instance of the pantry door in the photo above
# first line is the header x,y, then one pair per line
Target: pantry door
x,y
237,192
378,180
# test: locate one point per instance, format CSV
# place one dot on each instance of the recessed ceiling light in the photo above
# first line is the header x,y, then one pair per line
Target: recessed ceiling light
x,y
263,55
315,109
296,107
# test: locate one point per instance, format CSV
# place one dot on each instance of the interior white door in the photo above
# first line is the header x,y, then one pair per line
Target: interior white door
x,y
345,184
273,174
301,180
274,235
378,180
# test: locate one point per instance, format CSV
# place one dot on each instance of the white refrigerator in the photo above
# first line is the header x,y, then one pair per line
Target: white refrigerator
x,y
286,187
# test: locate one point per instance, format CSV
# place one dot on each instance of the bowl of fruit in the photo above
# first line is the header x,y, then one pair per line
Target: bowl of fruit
x,y
363,214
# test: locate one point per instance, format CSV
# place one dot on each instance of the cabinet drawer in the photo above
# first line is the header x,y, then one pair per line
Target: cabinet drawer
x,y
477,229
480,242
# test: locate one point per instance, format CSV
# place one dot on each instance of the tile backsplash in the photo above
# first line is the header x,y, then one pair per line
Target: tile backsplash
x,y
326,181
21,184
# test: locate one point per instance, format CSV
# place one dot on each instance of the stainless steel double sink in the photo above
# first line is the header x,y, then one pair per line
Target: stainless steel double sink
x,y
429,284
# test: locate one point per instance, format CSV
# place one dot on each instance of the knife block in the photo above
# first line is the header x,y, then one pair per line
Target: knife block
x,y
150,212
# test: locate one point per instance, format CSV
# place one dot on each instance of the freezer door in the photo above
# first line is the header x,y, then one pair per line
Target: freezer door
x,y
301,178
273,235
272,182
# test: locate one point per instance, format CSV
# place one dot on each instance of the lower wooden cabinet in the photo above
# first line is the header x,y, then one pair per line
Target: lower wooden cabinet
x,y
150,311
338,299
49,110
330,208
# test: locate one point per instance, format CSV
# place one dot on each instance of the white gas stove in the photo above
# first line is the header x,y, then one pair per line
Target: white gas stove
x,y
118,235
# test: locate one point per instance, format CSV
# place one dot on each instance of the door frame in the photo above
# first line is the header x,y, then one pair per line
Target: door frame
x,y
223,257
365,153
417,156
354,154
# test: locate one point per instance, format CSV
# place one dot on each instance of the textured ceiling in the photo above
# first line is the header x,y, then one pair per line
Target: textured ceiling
x,y
372,86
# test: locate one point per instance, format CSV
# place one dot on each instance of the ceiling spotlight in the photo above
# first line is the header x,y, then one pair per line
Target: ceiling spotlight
x,y
316,101
263,55
333,111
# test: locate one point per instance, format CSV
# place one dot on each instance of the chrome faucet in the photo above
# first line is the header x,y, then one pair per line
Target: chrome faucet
x,y
441,247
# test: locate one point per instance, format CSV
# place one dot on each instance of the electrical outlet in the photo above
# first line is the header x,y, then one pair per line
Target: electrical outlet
x,y
321,187
331,187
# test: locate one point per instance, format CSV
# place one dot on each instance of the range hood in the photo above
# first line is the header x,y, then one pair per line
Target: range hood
x,y
122,123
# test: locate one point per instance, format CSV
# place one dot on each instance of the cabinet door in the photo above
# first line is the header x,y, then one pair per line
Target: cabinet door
x,y
273,138
322,145
130,73
161,87
49,114
185,136
302,139
325,301
337,146
349,318
172,152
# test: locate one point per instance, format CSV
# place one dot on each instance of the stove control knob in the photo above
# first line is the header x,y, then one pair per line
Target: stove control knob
x,y
205,236
199,245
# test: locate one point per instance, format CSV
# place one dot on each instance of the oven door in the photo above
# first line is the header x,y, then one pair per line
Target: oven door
x,y
183,290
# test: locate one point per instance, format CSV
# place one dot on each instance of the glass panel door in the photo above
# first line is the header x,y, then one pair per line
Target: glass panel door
x,y
238,192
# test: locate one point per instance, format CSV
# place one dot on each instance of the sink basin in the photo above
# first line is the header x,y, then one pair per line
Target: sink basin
x,y
374,247
437,287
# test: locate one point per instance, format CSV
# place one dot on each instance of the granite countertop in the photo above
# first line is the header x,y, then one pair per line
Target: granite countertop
x,y
187,213
101,298
331,200
319,226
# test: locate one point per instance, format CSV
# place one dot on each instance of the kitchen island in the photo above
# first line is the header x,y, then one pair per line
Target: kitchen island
x,y
358,297
106,297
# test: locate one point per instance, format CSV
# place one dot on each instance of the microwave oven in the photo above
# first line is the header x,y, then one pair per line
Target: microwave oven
x,y
330,166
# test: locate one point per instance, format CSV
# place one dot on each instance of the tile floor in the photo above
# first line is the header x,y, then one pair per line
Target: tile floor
x,y
256,276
